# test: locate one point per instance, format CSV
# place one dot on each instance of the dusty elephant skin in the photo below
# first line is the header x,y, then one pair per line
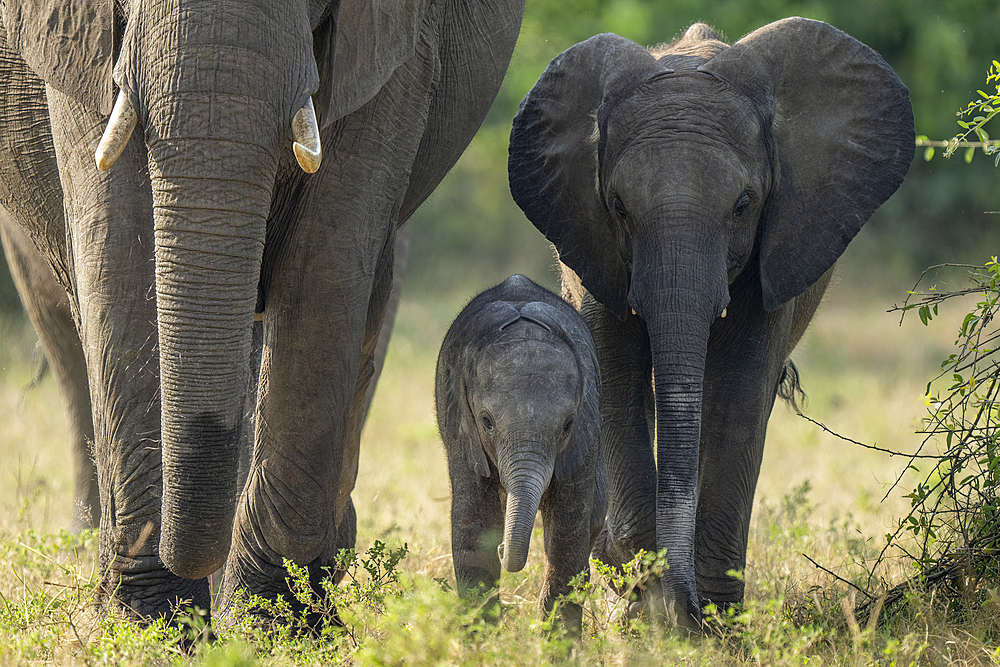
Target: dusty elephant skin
x,y
200,214
699,195
516,394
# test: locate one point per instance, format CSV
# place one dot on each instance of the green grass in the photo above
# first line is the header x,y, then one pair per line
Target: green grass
x,y
818,496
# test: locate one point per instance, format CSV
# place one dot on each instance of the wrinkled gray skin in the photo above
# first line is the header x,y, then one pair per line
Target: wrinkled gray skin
x,y
205,218
516,394
698,196
47,306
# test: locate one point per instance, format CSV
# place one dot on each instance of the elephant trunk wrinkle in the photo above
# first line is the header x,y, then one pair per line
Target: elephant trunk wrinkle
x,y
209,233
526,463
679,344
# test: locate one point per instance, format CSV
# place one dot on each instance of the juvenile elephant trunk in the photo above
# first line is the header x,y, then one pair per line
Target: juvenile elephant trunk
x,y
679,300
525,471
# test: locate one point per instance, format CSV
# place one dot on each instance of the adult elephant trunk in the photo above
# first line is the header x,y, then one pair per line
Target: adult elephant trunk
x,y
678,293
209,240
215,98
526,466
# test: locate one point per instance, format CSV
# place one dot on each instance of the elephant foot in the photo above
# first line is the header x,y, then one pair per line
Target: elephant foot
x,y
143,589
281,596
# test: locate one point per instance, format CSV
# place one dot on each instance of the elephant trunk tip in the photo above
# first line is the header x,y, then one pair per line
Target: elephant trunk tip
x,y
510,561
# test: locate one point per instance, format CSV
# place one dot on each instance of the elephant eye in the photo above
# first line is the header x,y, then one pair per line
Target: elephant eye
x,y
568,426
487,423
742,205
619,207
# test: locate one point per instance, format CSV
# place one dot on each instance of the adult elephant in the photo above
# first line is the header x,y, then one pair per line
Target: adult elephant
x,y
700,195
203,215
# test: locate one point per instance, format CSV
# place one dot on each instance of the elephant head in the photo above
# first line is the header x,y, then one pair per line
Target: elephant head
x,y
518,389
661,177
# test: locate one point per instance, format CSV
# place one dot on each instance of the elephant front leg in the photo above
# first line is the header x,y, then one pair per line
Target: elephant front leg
x,y
476,528
568,509
746,358
626,413
109,230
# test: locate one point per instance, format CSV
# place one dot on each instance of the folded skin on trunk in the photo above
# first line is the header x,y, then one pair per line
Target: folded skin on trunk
x,y
525,470
678,299
216,110
207,264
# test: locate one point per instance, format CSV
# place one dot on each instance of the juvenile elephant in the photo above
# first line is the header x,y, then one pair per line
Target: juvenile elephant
x,y
259,156
698,195
516,393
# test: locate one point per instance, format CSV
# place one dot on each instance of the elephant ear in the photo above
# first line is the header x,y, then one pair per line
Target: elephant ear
x,y
69,45
568,323
365,40
844,140
456,421
553,161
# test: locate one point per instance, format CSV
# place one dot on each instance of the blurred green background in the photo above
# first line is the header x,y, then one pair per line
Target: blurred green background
x,y
470,234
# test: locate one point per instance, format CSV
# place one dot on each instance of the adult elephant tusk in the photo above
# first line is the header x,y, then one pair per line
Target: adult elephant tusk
x,y
116,135
307,148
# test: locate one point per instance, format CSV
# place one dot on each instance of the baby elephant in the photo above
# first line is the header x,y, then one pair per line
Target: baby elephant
x,y
517,405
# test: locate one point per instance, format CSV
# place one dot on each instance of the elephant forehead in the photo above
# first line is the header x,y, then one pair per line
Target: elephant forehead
x,y
525,367
691,108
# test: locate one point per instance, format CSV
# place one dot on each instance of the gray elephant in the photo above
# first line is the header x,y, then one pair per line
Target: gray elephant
x,y
516,394
211,198
47,306
699,195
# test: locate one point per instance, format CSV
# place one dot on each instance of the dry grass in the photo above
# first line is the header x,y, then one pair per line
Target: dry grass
x,y
818,495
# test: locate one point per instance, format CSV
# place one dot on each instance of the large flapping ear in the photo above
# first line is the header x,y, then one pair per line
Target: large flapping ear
x,y
566,322
69,45
454,414
844,141
553,162
369,39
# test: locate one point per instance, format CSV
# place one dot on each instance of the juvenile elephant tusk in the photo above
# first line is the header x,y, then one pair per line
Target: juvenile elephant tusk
x,y
723,312
123,120
307,148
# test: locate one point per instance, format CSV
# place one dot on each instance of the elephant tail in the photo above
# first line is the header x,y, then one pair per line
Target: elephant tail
x,y
790,388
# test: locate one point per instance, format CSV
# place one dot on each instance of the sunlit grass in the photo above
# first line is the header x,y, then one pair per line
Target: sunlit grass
x,y
818,496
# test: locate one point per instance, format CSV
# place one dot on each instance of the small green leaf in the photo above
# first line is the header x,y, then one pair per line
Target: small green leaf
x,y
969,154
928,153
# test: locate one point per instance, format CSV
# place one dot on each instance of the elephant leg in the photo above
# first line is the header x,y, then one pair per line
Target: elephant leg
x,y
400,257
476,525
325,283
47,306
746,358
567,508
110,243
626,414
